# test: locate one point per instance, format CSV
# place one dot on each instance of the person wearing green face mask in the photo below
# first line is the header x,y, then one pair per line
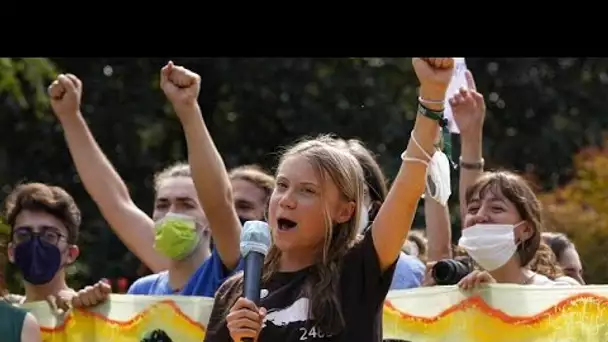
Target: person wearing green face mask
x,y
176,236
206,202
181,238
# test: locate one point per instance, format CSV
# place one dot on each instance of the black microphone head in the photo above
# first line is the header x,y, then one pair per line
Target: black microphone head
x,y
255,237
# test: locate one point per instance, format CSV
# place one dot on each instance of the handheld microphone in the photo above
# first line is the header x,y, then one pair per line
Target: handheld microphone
x,y
255,242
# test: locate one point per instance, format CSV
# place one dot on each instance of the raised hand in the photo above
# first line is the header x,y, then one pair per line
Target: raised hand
x,y
434,75
468,109
65,93
245,320
180,85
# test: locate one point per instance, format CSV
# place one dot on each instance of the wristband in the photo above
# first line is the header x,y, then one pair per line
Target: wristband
x,y
432,114
472,166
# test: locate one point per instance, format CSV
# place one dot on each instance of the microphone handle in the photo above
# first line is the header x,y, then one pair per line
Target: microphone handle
x,y
253,276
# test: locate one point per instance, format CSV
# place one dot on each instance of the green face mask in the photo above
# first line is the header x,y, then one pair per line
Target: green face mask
x,y
176,236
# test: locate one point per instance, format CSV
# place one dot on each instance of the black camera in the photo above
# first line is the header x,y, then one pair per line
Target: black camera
x,y
450,271
157,335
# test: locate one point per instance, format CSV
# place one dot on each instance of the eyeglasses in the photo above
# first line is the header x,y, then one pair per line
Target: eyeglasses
x,y
46,234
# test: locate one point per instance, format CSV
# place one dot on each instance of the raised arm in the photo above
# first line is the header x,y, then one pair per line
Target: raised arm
x,y
469,110
438,230
181,86
391,226
102,182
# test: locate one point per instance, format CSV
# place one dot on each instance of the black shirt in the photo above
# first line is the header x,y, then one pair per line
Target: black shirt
x,y
363,290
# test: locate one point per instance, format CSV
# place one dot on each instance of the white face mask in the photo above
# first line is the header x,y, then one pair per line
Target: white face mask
x,y
438,184
490,245
363,217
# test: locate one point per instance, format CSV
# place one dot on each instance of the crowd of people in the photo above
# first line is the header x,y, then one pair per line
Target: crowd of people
x,y
341,237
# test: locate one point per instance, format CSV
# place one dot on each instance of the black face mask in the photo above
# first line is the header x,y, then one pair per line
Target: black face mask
x,y
37,260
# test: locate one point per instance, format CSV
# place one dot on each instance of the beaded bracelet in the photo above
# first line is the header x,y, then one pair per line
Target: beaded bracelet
x,y
436,102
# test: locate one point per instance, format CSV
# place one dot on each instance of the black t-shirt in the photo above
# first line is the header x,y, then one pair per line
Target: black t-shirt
x,y
363,290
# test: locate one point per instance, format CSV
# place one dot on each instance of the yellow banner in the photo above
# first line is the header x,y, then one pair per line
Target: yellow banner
x,y
495,313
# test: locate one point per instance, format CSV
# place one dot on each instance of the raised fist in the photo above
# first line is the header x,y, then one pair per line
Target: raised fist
x,y
434,73
65,93
181,86
468,108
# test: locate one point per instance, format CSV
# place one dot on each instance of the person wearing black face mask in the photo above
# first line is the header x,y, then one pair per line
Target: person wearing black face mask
x,y
44,223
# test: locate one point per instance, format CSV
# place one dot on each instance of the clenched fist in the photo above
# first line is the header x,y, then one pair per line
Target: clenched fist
x,y
181,86
90,296
434,74
65,93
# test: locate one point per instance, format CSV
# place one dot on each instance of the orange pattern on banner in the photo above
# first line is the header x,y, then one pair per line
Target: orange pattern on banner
x,y
81,325
582,317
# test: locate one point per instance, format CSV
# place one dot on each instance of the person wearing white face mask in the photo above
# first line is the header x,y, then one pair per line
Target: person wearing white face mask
x,y
501,214
502,232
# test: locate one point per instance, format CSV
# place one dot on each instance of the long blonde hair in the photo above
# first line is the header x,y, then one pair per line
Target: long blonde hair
x,y
322,286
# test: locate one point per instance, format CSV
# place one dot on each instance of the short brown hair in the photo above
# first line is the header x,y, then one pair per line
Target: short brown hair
x,y
515,189
256,175
558,242
50,199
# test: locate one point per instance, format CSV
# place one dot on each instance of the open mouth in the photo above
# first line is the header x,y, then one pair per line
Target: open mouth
x,y
285,224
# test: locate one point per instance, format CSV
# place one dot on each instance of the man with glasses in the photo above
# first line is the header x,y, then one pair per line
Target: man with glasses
x,y
44,222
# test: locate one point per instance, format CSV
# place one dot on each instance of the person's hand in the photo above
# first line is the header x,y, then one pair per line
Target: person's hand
x,y
245,320
67,299
429,280
92,295
468,109
61,302
474,279
180,85
434,75
65,93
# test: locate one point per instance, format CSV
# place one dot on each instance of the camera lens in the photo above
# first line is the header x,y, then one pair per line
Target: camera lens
x,y
449,271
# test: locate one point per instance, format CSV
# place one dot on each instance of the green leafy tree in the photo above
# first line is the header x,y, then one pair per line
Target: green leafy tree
x,y
580,210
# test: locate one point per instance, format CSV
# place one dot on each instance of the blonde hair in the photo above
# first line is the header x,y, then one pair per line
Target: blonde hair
x,y
322,286
179,169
